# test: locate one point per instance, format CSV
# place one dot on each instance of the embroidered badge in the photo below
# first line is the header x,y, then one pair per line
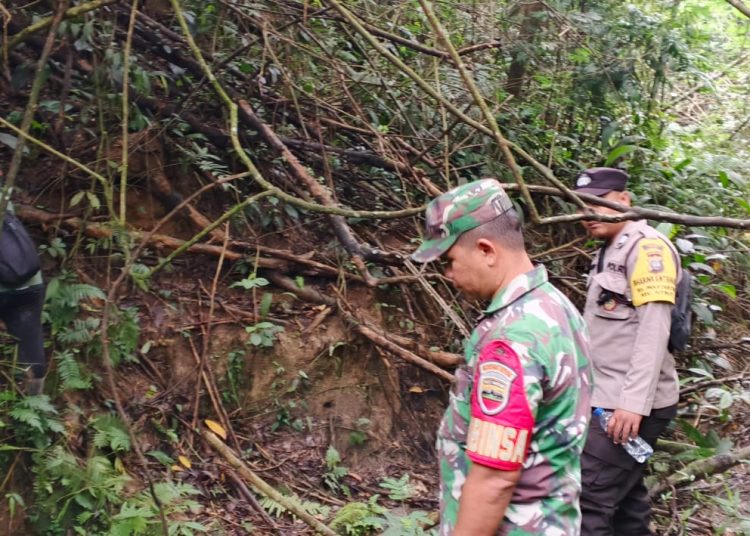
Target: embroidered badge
x,y
655,259
655,273
494,385
583,180
621,241
609,305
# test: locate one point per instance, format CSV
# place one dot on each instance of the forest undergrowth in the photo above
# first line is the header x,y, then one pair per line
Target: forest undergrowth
x,y
225,194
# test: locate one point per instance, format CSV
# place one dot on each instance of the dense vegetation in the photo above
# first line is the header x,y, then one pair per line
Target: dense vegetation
x,y
224,194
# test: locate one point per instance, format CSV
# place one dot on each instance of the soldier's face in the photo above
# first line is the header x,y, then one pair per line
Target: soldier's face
x,y
466,265
607,230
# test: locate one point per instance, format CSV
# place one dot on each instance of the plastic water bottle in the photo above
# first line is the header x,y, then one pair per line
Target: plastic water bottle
x,y
637,448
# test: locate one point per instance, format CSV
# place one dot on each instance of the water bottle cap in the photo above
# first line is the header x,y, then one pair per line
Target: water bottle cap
x,y
598,411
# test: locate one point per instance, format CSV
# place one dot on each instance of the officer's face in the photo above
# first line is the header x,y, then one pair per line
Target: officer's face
x,y
607,230
466,265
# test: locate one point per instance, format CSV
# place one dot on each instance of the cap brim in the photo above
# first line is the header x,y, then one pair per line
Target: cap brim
x,y
431,250
593,191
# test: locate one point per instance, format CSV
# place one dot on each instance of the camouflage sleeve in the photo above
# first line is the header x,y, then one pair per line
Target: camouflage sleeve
x,y
501,415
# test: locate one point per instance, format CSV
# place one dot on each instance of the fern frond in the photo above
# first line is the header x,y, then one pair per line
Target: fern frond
x,y
70,372
111,433
310,507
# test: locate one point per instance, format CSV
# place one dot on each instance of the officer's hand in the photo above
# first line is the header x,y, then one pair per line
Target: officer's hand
x,y
623,425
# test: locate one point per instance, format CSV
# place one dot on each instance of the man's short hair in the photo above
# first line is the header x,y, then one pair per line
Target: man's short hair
x,y
505,230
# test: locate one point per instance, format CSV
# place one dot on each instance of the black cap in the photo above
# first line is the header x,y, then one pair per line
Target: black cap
x,y
601,181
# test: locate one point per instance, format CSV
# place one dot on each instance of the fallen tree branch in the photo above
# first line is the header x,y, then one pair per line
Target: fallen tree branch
x,y
631,213
30,110
673,447
708,383
250,497
391,342
46,22
698,470
242,155
740,6
379,339
96,230
543,170
261,485
489,117
403,353
340,227
413,45
439,357
305,293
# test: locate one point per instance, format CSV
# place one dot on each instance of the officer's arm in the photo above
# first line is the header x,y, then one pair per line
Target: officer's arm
x,y
639,388
484,498
652,286
649,351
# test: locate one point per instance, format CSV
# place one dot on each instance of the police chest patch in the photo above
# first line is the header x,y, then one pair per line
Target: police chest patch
x,y
493,389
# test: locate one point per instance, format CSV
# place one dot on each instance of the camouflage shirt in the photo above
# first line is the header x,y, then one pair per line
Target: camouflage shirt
x,y
521,400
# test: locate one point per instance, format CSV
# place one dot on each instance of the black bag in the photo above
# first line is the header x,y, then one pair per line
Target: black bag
x,y
19,260
682,314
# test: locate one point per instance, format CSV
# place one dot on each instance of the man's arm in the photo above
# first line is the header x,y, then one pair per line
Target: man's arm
x,y
639,388
484,498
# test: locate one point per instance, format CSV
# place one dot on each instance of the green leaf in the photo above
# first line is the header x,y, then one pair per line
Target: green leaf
x,y
703,313
265,304
77,198
250,282
694,434
728,289
618,152
161,457
9,140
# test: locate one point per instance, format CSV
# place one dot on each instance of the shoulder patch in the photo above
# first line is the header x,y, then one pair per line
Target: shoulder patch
x,y
654,278
501,421
494,385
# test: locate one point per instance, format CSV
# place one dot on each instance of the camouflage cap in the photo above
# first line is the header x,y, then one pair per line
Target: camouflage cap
x,y
459,210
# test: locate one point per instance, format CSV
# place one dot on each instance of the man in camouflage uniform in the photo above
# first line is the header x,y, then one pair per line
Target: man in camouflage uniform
x,y
511,438
631,289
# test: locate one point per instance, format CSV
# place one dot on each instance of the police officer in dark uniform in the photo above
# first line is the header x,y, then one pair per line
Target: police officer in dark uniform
x,y
631,292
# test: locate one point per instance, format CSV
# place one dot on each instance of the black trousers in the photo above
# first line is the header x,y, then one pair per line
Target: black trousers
x,y
614,499
21,311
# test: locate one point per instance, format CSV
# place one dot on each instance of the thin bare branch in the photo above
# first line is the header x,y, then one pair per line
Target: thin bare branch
x,y
740,6
41,24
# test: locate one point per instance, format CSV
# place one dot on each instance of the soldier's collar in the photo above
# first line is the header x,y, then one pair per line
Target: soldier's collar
x,y
520,285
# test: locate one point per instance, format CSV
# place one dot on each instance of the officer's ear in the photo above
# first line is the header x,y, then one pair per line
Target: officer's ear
x,y
624,198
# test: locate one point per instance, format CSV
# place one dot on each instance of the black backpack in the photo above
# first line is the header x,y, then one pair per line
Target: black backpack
x,y
682,314
19,260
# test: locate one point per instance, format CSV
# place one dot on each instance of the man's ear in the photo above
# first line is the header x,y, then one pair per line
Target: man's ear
x,y
486,247
624,198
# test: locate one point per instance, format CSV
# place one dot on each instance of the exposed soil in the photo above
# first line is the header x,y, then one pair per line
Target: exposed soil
x,y
317,384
